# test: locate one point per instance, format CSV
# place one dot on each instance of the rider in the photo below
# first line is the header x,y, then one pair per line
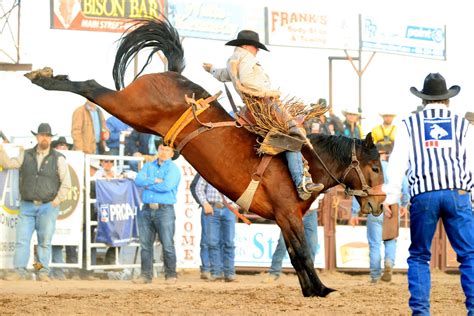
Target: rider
x,y
250,80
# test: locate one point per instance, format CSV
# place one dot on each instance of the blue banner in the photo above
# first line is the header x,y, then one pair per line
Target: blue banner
x,y
118,201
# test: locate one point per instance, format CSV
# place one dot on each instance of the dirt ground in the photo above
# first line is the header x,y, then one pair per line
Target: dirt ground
x,y
190,295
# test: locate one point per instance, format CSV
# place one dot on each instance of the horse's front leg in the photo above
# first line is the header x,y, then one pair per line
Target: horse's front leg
x,y
300,255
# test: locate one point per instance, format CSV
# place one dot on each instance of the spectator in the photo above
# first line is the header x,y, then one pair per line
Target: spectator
x,y
310,222
374,229
251,82
57,251
351,125
116,127
470,117
89,131
220,231
204,244
160,179
440,170
141,145
385,132
44,184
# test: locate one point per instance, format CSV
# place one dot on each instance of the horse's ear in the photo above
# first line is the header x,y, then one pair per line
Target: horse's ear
x,y
369,141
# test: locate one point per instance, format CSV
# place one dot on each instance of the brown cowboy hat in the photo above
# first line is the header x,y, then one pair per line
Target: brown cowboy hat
x,y
247,37
44,128
435,89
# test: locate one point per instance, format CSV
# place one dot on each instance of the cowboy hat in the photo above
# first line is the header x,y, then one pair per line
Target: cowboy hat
x,y
44,128
61,141
388,113
159,141
434,88
351,111
247,37
469,116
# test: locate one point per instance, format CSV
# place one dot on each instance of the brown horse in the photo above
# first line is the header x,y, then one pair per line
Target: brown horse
x,y
226,156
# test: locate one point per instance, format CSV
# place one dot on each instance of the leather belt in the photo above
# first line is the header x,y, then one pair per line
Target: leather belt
x,y
153,206
217,204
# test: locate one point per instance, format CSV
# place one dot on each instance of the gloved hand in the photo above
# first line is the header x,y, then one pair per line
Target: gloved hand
x,y
207,67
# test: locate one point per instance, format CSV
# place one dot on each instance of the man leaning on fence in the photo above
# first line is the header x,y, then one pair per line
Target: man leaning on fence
x,y
160,179
44,184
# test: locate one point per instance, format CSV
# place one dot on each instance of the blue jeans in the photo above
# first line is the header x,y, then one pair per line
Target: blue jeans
x,y
310,222
454,208
150,223
204,247
295,165
41,218
221,234
374,237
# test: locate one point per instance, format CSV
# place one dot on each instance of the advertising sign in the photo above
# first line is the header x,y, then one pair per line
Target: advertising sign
x,y
214,19
287,27
103,15
400,36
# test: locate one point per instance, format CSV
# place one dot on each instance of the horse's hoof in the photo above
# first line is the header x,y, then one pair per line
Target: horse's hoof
x,y
333,294
45,72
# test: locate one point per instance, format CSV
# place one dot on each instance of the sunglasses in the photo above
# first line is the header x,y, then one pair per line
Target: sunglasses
x,y
109,161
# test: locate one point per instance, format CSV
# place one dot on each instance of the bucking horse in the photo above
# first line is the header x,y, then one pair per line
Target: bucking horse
x,y
225,153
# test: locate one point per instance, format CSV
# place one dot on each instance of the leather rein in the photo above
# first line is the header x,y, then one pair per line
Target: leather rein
x,y
355,164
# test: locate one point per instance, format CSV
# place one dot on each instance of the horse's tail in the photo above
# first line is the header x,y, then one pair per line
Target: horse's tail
x,y
155,34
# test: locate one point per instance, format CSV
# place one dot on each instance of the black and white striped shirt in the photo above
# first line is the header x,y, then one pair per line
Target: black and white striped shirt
x,y
432,148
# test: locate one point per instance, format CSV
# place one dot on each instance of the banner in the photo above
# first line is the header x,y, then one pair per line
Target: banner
x,y
393,34
303,28
9,210
103,15
216,20
117,204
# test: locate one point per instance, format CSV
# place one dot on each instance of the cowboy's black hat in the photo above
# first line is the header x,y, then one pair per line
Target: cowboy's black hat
x,y
159,141
44,128
247,37
61,141
435,89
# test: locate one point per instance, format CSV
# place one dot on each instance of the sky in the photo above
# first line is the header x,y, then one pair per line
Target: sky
x,y
298,72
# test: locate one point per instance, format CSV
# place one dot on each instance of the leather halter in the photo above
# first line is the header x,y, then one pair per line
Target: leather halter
x,y
355,164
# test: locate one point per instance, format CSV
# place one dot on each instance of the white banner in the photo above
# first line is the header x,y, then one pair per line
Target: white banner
x,y
316,29
394,34
255,244
352,248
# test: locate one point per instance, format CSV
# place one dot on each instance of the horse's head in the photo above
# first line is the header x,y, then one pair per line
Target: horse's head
x,y
364,176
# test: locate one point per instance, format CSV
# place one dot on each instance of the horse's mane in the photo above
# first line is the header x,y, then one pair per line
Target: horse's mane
x,y
340,147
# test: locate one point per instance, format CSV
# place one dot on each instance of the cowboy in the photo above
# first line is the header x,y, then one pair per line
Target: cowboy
x,y
251,81
61,144
44,184
385,132
440,173
351,125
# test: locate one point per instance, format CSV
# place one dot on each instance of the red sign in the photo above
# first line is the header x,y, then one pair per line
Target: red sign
x,y
103,15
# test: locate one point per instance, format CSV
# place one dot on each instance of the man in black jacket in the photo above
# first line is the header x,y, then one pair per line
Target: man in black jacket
x,y
44,184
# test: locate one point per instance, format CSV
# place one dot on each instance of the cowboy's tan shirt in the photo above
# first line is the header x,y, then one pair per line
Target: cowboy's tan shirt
x,y
250,72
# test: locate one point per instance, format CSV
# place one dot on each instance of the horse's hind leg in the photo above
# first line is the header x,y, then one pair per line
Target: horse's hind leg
x,y
89,89
300,255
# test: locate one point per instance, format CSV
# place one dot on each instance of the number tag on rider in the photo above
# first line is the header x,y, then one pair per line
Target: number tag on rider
x,y
438,133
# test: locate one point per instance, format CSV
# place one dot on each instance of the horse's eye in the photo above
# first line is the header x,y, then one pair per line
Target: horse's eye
x,y
375,169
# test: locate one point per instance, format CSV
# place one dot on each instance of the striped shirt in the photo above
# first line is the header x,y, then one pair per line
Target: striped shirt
x,y
432,148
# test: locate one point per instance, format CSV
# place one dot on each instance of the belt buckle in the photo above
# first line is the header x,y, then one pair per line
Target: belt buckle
x,y
219,205
37,202
154,206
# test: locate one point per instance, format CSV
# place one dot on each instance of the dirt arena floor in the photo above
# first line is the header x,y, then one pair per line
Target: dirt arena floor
x,y
190,295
